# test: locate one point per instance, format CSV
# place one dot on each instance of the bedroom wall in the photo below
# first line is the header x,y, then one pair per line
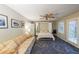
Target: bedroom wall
x,y
66,19
29,28
10,33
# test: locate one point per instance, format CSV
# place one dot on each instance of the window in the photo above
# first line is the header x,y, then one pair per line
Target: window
x,y
61,27
72,34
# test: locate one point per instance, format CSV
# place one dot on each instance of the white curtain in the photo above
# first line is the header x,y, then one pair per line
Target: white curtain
x,y
50,27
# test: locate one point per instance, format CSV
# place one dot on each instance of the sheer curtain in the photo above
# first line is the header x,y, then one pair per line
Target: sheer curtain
x,y
50,27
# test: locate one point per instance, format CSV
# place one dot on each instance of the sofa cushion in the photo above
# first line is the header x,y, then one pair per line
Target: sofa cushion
x,y
28,35
22,38
10,47
24,46
1,46
19,39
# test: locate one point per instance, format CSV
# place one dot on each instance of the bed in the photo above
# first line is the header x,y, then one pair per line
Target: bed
x,y
45,35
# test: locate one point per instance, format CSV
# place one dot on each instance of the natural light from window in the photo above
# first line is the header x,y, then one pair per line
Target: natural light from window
x,y
61,27
72,34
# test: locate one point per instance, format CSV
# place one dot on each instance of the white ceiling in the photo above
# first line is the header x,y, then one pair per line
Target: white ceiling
x,y
33,11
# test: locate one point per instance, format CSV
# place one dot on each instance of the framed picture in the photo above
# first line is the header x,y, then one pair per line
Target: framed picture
x,y
15,23
3,21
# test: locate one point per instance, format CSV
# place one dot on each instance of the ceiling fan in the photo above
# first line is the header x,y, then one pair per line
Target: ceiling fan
x,y
46,16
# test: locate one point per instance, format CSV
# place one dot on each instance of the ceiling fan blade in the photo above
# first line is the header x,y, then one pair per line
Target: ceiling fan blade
x,y
46,16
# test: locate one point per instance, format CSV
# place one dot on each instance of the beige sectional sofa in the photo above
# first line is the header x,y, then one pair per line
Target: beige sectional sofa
x,y
19,45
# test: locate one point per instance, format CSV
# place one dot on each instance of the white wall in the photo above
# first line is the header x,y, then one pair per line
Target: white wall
x,y
10,33
29,28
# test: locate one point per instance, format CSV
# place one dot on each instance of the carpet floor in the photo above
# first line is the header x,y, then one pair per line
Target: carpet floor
x,y
47,46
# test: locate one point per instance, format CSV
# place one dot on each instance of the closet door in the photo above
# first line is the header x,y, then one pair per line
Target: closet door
x,y
72,31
